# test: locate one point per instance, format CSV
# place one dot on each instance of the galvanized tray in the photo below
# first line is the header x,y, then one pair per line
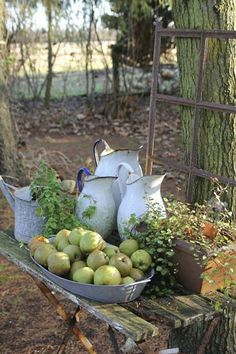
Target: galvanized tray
x,y
108,294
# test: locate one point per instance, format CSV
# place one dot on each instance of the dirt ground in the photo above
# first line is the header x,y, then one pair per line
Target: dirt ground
x,y
64,136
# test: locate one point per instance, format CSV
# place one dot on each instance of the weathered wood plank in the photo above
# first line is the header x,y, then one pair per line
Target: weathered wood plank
x,y
156,310
200,304
115,315
181,311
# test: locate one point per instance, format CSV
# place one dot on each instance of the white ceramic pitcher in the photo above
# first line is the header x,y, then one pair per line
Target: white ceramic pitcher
x,y
95,205
140,193
109,159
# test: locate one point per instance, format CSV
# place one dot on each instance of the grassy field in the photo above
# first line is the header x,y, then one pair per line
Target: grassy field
x,y
69,70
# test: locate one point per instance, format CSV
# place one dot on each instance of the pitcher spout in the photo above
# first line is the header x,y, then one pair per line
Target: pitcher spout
x,y
6,192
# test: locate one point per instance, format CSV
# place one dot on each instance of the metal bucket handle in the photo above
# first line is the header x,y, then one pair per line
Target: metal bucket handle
x,y
95,152
84,170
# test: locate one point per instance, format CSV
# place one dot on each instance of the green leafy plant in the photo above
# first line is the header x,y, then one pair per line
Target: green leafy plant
x,y
154,235
158,236
56,206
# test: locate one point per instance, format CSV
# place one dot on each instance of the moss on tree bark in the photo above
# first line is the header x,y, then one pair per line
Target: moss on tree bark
x,y
217,133
9,161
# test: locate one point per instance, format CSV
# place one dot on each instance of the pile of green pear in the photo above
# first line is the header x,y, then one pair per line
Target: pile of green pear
x,y
83,256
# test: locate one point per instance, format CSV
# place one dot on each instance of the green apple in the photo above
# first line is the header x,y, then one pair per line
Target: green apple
x,y
42,252
129,246
96,259
107,275
142,260
60,235
63,243
58,263
76,234
73,252
75,266
35,242
127,280
84,275
111,250
90,242
122,263
137,274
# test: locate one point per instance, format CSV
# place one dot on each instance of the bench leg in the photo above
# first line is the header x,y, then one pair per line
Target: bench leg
x,y
66,317
113,340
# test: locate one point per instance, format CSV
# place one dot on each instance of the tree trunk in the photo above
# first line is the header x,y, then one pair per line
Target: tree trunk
x,y
209,337
216,150
116,77
9,161
47,96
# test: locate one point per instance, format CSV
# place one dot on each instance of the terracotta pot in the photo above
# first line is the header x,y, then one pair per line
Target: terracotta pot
x,y
210,230
189,271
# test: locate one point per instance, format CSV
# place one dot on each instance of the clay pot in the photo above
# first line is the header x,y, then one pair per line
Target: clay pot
x,y
190,271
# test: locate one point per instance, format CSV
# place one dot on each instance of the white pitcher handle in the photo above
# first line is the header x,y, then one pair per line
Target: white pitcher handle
x,y
95,152
130,171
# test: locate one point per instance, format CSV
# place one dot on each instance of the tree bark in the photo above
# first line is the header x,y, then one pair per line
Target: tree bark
x,y
200,338
10,163
216,151
47,96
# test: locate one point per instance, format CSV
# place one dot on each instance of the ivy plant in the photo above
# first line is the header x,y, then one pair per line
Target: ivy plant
x,y
158,240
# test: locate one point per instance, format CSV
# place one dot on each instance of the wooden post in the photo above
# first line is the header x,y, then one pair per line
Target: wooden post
x,y
152,112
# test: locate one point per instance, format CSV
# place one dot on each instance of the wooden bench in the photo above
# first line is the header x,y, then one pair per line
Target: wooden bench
x,y
196,326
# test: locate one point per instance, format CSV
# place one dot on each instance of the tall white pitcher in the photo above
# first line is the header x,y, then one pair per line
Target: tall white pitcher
x,y
139,194
95,205
109,159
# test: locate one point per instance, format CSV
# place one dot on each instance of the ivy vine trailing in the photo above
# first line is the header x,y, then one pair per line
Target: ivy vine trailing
x,y
56,206
158,236
158,240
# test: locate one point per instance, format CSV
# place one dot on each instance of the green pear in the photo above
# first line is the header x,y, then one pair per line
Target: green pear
x,y
122,263
96,259
107,275
142,260
129,246
63,243
75,266
35,242
137,274
91,241
60,235
127,280
84,275
76,235
58,263
42,252
111,250
73,252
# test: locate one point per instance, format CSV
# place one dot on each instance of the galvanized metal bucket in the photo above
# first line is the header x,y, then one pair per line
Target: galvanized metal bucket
x,y
27,223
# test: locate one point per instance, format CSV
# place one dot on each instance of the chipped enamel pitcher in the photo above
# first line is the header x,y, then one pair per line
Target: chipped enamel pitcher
x,y
109,159
95,205
140,192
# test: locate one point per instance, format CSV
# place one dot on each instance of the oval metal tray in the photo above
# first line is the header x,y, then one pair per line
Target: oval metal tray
x,y
103,293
